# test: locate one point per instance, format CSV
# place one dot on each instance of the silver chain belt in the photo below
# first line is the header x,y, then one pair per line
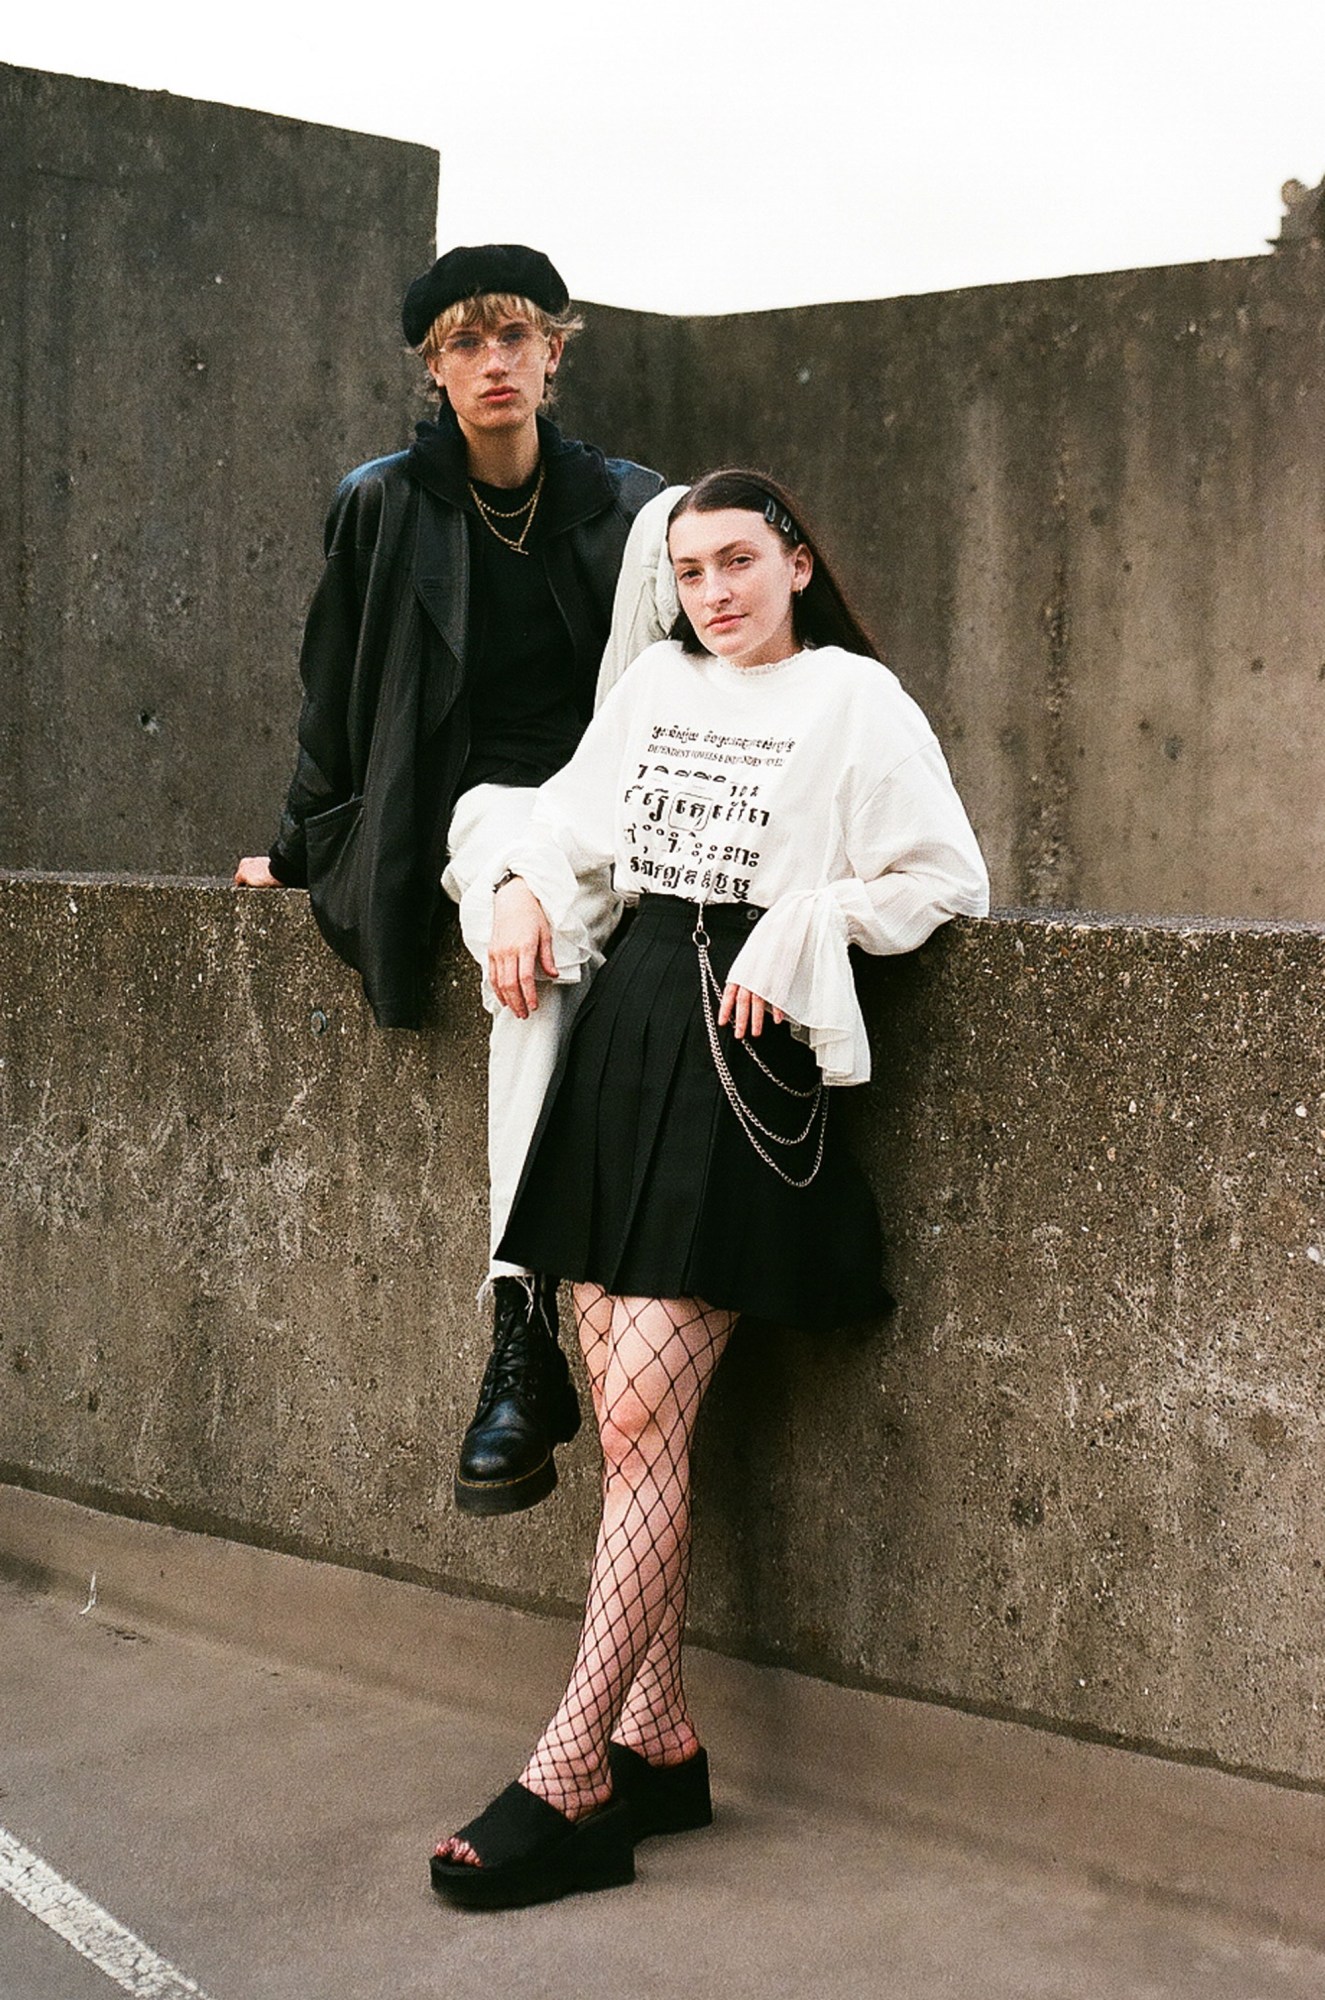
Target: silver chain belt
x,y
710,990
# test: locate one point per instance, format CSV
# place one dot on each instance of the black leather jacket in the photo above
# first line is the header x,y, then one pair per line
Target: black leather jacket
x,y
383,736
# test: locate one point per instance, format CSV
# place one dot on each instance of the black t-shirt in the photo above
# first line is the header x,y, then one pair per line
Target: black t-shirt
x,y
526,714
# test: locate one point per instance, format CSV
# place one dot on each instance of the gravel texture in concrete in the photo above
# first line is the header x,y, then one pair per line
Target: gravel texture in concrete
x,y
1076,1479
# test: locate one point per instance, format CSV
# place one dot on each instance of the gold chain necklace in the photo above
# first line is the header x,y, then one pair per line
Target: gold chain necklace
x,y
491,515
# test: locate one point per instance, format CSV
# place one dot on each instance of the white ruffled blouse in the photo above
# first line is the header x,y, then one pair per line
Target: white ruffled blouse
x,y
814,788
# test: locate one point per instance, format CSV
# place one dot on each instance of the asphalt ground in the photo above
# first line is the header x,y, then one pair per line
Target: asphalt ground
x,y
243,1760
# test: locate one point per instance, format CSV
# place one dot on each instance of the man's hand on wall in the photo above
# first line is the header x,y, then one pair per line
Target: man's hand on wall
x,y
254,872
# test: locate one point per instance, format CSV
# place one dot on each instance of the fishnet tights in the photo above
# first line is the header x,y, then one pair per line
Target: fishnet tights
x,y
649,1363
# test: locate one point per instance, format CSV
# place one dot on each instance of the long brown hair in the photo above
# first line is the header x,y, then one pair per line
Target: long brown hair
x,y
821,615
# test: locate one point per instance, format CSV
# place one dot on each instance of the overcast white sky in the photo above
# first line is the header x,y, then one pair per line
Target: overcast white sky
x,y
723,155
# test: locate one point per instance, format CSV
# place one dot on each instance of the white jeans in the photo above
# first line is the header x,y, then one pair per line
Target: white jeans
x,y
521,1054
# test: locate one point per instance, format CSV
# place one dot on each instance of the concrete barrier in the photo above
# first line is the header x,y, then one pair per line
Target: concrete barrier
x,y
1076,1481
198,337
1084,518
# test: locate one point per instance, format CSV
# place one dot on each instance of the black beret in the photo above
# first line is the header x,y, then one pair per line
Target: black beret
x,y
468,270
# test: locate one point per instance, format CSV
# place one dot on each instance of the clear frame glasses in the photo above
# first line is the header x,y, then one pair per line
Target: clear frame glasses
x,y
514,342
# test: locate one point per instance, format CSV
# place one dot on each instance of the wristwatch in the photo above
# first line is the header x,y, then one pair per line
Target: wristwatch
x,y
501,881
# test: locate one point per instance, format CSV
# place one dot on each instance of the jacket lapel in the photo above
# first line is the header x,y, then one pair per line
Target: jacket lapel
x,y
441,584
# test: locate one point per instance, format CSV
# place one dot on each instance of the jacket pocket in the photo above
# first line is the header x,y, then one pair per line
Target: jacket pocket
x,y
335,871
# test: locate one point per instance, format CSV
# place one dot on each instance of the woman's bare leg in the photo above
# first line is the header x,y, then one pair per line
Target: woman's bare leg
x,y
660,1357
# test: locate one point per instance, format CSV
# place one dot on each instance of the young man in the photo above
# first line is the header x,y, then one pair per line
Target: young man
x,y
450,663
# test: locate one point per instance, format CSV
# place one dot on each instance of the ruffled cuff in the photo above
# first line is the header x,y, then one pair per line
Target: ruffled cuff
x,y
574,910
796,957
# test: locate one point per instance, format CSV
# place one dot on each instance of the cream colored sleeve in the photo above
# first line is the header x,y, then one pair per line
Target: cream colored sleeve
x,y
645,606
917,863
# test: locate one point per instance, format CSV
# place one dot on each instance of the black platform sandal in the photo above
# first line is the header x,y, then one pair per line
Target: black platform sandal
x,y
531,1853
662,1798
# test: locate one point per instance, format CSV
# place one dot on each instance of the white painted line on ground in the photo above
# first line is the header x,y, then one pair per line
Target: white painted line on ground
x,y
37,1888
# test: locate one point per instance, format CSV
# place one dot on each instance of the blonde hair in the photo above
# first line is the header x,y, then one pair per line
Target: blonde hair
x,y
489,310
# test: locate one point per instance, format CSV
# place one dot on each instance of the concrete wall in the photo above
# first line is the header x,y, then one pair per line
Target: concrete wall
x,y
1079,1479
1087,520
198,335
1085,517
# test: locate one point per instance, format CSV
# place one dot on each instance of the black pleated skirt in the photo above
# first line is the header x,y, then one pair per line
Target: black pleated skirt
x,y
640,1175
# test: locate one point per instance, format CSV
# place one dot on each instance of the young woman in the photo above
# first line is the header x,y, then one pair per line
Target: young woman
x,y
767,796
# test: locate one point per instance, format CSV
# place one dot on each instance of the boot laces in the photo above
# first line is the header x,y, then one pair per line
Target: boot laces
x,y
518,1359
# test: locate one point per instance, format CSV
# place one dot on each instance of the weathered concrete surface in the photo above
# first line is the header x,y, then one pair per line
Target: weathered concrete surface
x,y
198,336
311,1730
1077,1480
1086,519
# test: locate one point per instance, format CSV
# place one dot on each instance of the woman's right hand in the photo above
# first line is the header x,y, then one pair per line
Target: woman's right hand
x,y
254,872
520,947
746,1010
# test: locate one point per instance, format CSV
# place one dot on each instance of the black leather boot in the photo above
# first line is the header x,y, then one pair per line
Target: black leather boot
x,y
527,1404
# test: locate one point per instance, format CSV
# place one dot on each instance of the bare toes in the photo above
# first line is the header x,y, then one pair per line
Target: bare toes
x,y
458,1850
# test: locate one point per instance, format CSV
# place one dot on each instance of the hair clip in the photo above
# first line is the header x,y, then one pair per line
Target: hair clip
x,y
784,525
